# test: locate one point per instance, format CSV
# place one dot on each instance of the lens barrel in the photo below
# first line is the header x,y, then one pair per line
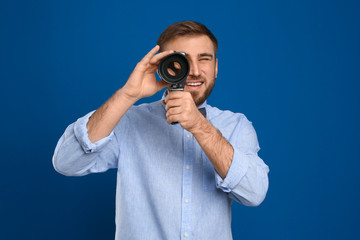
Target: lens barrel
x,y
174,70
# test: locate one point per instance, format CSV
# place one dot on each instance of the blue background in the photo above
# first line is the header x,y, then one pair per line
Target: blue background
x,y
292,67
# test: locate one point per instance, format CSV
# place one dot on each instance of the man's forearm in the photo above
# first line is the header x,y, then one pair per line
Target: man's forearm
x,y
216,147
104,119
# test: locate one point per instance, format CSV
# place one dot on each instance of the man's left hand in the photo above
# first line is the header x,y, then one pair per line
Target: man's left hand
x,y
180,107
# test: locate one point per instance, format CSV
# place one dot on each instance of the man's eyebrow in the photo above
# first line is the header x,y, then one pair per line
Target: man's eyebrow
x,y
206,55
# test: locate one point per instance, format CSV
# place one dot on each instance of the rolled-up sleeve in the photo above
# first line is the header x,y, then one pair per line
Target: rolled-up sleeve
x,y
81,134
247,179
76,155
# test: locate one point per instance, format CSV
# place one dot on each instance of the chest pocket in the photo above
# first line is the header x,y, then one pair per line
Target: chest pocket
x,y
208,173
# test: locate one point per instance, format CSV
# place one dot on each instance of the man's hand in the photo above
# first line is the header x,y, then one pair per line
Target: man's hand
x,y
142,81
180,107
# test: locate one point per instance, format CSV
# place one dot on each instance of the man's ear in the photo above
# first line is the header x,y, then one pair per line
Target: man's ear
x,y
216,68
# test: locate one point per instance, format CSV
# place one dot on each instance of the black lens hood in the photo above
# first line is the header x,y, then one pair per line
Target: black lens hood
x,y
177,78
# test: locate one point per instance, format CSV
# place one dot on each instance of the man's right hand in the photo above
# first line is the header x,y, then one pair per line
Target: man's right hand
x,y
142,81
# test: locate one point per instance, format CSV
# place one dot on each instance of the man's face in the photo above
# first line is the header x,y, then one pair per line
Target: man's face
x,y
200,52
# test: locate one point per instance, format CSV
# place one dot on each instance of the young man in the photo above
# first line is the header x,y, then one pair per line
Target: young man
x,y
173,181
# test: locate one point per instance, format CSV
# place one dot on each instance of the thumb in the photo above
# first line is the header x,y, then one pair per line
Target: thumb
x,y
162,84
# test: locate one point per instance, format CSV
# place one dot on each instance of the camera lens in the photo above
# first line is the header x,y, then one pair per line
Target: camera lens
x,y
174,68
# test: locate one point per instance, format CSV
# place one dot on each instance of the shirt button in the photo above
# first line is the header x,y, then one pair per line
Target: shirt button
x,y
188,135
187,167
186,235
186,201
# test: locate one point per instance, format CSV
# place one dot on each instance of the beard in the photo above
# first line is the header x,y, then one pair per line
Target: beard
x,y
200,98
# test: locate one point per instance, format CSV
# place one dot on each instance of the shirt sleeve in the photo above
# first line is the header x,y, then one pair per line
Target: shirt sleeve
x,y
76,155
247,179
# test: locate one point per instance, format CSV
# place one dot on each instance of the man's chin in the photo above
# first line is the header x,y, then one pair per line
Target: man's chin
x,y
198,98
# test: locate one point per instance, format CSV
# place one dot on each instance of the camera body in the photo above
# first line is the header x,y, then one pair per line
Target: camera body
x,y
174,69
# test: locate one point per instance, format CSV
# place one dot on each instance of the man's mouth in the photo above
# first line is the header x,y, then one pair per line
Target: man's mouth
x,y
194,84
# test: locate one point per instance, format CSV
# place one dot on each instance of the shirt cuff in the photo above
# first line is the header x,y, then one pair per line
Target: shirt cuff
x,y
237,171
81,135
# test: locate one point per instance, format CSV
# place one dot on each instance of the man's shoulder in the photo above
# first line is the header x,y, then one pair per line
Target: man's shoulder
x,y
227,121
148,107
146,110
216,114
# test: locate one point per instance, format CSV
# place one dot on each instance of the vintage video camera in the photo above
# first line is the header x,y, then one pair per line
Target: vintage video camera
x,y
174,70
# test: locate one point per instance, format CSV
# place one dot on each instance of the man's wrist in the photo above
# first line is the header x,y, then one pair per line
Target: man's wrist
x,y
201,127
125,97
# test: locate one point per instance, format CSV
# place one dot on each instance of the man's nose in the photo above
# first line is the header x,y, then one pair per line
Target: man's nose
x,y
194,69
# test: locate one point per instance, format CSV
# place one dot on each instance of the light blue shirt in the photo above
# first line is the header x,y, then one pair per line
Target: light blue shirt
x,y
167,188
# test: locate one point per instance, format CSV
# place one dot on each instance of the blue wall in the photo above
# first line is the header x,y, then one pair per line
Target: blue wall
x,y
292,67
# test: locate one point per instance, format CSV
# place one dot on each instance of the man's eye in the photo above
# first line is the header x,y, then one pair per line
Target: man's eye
x,y
204,59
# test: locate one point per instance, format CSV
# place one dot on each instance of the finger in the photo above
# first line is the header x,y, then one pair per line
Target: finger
x,y
184,97
173,103
156,59
172,95
150,54
173,118
177,95
174,111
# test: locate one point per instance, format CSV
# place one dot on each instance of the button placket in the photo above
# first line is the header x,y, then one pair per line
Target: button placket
x,y
189,153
